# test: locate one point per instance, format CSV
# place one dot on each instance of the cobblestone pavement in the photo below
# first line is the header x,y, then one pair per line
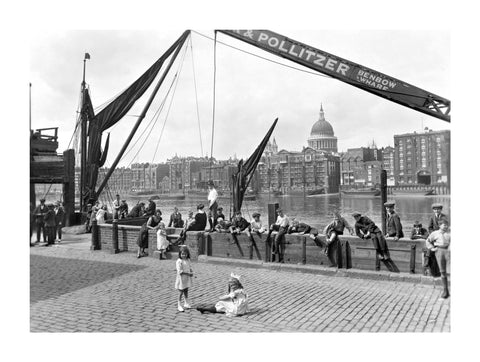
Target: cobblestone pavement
x,y
74,289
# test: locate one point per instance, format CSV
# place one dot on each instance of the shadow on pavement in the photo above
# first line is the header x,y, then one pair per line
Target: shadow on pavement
x,y
47,282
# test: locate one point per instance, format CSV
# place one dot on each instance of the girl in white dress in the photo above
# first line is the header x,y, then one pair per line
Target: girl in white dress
x,y
235,303
162,242
184,277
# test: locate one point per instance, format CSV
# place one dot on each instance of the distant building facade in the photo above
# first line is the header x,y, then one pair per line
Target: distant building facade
x,y
316,167
388,154
361,167
422,158
185,172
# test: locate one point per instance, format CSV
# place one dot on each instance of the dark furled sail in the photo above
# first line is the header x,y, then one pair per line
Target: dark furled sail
x,y
242,176
109,116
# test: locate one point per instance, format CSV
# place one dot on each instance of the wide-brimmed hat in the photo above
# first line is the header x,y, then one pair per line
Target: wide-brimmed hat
x,y
417,224
389,204
437,206
200,206
256,214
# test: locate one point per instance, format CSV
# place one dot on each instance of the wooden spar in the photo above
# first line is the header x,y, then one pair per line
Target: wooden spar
x,y
178,45
83,146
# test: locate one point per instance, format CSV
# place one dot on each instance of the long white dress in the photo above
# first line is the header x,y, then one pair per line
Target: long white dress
x,y
237,304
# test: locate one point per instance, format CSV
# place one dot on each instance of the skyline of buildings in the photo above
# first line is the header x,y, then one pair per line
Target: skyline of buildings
x,y
417,158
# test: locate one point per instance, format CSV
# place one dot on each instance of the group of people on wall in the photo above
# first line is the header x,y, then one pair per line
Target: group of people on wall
x,y
49,219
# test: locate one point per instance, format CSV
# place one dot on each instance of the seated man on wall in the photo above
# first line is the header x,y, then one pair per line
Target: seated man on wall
x,y
299,227
281,225
223,226
175,219
239,223
366,229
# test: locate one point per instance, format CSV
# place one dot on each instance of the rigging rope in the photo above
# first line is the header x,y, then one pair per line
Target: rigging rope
x,y
196,98
176,79
155,118
213,110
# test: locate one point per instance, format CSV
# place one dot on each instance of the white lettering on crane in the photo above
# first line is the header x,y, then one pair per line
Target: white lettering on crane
x,y
273,42
311,56
280,47
292,47
262,37
343,68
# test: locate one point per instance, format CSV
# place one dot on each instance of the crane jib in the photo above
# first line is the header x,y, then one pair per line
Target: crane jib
x,y
347,71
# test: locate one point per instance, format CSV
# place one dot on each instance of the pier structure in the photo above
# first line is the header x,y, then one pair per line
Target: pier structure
x,y
48,167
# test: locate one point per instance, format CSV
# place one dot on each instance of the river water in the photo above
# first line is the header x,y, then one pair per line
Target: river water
x,y
314,210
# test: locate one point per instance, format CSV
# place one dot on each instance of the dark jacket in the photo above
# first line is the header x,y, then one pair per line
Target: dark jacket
x,y
40,212
176,220
433,223
241,223
136,211
364,225
49,218
150,210
199,223
394,226
60,216
300,228
422,234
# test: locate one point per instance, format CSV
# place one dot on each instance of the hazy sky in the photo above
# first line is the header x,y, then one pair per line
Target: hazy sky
x,y
250,92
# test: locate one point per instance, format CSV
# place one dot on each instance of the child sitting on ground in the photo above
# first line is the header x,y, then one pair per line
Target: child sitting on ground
x,y
235,303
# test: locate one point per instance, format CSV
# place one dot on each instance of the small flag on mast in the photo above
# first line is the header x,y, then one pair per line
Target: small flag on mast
x,y
87,56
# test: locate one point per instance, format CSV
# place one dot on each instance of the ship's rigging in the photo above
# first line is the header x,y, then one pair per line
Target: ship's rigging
x,y
92,126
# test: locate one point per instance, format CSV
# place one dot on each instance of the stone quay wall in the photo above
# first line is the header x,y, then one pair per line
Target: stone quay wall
x,y
351,252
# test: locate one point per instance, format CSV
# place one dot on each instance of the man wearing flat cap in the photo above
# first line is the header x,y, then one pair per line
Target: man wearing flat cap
x,y
438,215
366,229
394,226
39,214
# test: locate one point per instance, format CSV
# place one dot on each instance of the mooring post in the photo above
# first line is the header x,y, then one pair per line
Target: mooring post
x,y
304,250
383,191
413,249
95,242
115,249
